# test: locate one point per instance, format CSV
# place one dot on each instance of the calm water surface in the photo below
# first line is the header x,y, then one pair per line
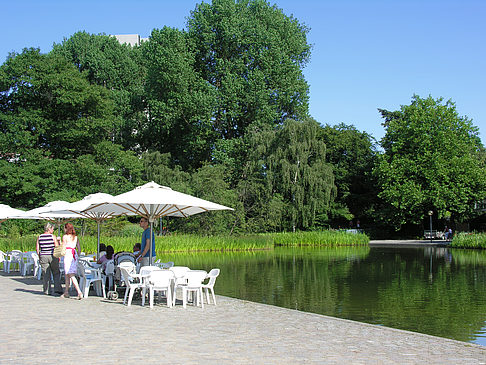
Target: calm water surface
x,y
437,291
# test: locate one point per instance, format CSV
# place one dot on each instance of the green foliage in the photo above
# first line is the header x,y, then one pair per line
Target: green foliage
x,y
116,67
210,183
47,104
469,240
190,242
286,172
220,111
353,155
319,238
180,102
431,161
157,167
252,55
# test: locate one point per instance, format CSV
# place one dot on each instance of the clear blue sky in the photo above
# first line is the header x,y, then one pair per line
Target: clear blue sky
x,y
367,54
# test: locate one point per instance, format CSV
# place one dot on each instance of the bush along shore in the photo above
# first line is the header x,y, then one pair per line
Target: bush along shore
x,y
469,240
187,243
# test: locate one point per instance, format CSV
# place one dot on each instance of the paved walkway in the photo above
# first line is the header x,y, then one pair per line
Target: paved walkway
x,y
410,243
38,329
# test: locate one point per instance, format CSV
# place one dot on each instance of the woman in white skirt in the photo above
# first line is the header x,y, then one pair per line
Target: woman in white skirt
x,y
71,242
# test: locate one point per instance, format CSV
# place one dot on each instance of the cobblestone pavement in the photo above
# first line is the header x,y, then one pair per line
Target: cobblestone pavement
x,y
38,329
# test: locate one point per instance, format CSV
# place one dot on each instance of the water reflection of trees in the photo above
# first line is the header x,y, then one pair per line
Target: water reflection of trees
x,y
434,291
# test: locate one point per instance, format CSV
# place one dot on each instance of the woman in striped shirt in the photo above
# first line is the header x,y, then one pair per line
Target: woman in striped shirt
x,y
49,264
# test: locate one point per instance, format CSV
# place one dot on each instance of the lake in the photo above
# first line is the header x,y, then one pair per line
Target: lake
x,y
432,290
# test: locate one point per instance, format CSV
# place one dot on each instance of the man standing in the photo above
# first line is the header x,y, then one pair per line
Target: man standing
x,y
144,257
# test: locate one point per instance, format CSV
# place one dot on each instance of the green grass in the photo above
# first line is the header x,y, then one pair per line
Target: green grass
x,y
190,243
469,240
319,238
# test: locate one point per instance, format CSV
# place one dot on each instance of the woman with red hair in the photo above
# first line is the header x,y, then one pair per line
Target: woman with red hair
x,y
71,242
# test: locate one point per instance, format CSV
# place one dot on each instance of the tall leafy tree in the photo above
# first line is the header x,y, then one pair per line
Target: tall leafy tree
x,y
352,154
252,55
180,103
264,207
56,133
289,164
46,103
431,161
118,68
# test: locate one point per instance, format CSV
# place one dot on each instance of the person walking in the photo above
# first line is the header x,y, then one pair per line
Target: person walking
x,y
71,242
49,264
144,257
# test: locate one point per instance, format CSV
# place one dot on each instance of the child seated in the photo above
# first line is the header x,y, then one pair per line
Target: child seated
x,y
137,248
106,257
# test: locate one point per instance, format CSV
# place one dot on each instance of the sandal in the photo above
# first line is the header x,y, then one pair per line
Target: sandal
x,y
64,295
80,296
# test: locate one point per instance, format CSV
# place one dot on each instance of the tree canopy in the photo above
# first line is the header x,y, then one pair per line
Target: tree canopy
x,y
220,110
431,161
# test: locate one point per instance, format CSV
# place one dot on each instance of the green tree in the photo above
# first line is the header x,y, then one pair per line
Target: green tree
x,y
180,103
116,67
46,103
56,134
287,169
353,155
252,55
264,207
158,168
211,183
431,161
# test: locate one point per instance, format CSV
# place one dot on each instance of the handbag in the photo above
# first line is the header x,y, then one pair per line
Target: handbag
x,y
59,251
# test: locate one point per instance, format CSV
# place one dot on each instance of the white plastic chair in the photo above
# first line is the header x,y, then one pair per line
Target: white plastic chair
x,y
61,267
167,265
37,268
209,287
14,258
3,260
28,263
144,275
160,280
179,279
164,265
128,266
88,276
109,274
194,279
130,283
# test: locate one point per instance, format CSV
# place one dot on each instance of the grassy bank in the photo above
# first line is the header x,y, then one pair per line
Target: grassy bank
x,y
319,238
469,240
188,243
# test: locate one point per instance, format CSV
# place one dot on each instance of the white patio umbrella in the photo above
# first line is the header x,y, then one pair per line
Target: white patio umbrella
x,y
7,212
153,201
50,213
79,208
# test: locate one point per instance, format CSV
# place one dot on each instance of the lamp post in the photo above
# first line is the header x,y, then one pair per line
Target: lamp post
x,y
430,221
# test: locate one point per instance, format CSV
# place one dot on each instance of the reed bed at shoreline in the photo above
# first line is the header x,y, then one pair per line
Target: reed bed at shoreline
x,y
469,240
320,238
194,243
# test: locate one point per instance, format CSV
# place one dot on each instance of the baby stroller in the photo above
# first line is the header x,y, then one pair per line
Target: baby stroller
x,y
123,259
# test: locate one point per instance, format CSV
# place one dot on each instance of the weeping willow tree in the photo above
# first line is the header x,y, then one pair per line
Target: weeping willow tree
x,y
288,163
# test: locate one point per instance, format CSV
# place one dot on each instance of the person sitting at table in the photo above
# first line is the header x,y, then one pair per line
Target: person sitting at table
x,y
102,249
110,251
136,249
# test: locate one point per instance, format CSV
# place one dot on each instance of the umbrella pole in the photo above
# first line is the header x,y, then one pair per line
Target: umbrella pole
x,y
151,242
98,248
